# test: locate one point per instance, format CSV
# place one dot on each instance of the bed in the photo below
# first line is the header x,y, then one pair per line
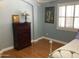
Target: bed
x,y
70,50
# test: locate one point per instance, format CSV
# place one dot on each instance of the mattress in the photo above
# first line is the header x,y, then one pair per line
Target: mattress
x,y
70,50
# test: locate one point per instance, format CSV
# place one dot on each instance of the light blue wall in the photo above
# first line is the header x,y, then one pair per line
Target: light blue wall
x,y
10,7
49,28
40,22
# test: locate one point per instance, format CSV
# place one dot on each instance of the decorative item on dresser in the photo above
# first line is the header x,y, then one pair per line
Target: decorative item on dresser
x,y
22,33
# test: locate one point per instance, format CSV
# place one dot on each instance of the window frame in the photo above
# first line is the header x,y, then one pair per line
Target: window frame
x,y
63,28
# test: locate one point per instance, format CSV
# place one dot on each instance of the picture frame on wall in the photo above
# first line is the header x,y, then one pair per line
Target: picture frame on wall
x,y
49,14
15,18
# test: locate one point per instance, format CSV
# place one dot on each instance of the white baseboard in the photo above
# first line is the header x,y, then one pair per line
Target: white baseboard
x,y
36,40
55,40
6,49
9,48
43,37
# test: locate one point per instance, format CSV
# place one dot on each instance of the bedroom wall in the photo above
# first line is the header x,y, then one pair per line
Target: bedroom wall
x,y
9,7
50,29
38,19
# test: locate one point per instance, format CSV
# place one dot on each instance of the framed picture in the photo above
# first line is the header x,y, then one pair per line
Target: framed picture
x,y
15,18
49,14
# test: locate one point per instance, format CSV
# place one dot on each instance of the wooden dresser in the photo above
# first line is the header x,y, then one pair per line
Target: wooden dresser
x,y
22,35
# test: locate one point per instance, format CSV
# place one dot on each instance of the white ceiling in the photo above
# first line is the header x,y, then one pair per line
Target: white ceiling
x,y
43,1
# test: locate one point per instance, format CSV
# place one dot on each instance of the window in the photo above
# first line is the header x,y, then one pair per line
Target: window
x,y
68,17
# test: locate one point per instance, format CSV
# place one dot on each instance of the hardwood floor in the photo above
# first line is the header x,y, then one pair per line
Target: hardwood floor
x,y
40,49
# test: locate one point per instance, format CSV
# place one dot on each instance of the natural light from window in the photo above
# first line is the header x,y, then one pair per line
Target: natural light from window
x,y
68,17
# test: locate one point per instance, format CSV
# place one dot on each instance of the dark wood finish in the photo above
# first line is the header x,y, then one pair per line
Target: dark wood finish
x,y
22,35
38,49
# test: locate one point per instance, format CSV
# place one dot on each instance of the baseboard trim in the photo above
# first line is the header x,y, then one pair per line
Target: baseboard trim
x,y
36,40
55,40
11,47
6,49
51,40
